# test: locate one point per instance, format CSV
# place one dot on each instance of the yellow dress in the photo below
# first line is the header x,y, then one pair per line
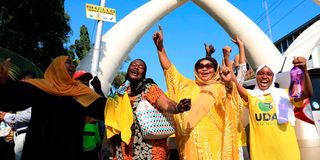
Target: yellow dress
x,y
205,140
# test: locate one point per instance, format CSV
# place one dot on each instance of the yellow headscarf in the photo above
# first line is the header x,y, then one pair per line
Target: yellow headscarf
x,y
58,82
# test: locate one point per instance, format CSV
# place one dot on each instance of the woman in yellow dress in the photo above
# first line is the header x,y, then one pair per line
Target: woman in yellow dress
x,y
209,129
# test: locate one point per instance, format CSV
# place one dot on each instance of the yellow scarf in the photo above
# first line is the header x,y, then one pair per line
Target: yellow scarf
x,y
205,100
58,82
119,117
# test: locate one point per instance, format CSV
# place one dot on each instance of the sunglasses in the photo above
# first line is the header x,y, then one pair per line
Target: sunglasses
x,y
208,66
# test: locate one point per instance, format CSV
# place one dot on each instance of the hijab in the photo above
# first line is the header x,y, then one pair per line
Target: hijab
x,y
138,86
58,82
283,106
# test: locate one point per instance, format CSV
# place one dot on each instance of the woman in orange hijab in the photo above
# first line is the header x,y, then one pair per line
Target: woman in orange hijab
x,y
59,106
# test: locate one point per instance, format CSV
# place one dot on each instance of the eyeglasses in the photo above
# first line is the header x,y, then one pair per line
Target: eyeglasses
x,y
208,66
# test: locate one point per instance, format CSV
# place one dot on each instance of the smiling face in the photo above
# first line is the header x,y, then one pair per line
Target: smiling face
x,y
136,69
264,78
70,66
205,70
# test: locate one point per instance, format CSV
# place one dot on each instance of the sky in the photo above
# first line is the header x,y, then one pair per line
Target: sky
x,y
188,27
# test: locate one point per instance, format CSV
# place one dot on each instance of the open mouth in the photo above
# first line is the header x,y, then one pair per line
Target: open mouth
x,y
135,73
264,83
205,74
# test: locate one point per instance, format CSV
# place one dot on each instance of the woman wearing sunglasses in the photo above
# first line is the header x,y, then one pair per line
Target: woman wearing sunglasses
x,y
209,129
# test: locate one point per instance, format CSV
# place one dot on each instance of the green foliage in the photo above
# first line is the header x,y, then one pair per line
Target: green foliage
x,y
81,47
35,29
84,41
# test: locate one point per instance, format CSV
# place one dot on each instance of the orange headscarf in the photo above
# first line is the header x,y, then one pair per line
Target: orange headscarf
x,y
58,82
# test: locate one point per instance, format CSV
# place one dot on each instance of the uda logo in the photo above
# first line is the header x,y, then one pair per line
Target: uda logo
x,y
264,106
265,116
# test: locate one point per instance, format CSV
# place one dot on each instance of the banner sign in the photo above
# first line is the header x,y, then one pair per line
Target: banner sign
x,y
100,13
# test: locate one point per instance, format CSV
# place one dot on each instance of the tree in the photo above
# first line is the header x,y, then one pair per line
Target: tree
x,y
81,47
35,29
84,41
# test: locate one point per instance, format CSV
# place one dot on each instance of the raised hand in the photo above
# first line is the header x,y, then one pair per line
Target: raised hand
x,y
96,84
226,51
158,39
301,62
225,73
209,49
4,68
237,41
184,105
226,54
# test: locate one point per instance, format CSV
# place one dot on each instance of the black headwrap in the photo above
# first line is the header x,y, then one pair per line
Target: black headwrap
x,y
137,86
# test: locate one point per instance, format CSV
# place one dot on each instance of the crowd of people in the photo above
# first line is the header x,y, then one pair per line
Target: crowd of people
x,y
64,114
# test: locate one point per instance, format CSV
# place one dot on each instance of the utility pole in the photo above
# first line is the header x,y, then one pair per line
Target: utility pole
x,y
265,4
97,44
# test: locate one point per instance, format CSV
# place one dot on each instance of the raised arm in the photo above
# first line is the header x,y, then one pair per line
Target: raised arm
x,y
301,62
226,54
242,91
239,43
158,41
240,61
96,84
209,49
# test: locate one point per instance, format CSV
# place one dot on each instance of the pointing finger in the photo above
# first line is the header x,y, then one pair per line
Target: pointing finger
x,y
160,28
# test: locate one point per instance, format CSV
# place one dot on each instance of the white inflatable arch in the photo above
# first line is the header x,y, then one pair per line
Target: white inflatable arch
x,y
306,44
122,37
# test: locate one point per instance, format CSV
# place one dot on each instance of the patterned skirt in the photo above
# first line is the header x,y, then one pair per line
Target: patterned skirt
x,y
139,149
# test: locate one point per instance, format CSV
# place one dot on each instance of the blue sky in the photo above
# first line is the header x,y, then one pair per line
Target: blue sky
x,y
188,27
